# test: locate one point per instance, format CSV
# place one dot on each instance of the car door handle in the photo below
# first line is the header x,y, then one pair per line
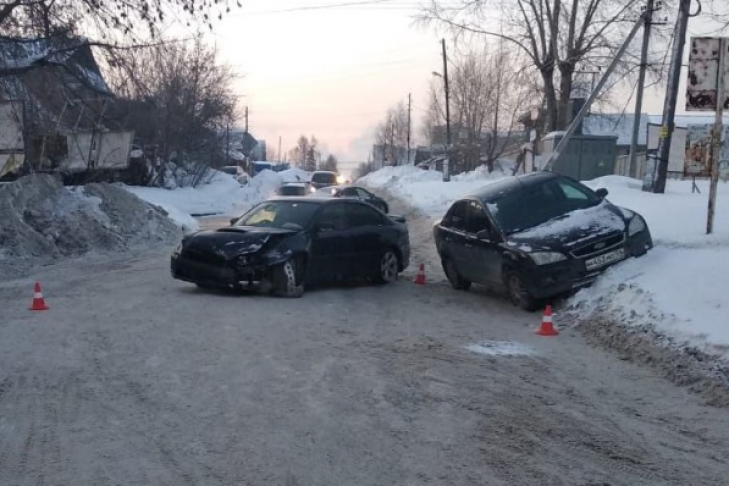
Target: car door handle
x,y
468,245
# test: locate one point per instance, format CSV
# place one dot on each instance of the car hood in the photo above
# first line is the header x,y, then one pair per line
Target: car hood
x,y
234,241
571,230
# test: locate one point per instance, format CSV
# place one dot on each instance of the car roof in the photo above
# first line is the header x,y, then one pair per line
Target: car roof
x,y
324,172
306,199
510,184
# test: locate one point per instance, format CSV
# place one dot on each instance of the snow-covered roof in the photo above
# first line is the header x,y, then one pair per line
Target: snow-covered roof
x,y
18,55
619,125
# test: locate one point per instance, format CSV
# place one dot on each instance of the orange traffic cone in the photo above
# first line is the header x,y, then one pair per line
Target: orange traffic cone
x,y
420,277
39,304
547,329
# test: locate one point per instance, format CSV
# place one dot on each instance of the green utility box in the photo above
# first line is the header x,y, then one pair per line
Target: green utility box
x,y
586,157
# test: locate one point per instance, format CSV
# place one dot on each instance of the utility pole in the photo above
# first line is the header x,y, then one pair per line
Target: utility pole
x,y
410,107
227,142
246,118
279,149
669,106
446,162
718,133
392,143
641,85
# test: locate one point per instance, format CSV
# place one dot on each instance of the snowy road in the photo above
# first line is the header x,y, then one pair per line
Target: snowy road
x,y
132,378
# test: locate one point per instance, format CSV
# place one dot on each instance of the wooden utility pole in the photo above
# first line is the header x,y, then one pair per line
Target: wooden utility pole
x,y
669,105
718,133
446,162
410,108
246,118
279,150
641,85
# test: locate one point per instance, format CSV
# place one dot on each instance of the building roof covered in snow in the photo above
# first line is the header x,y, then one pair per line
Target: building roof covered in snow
x,y
619,125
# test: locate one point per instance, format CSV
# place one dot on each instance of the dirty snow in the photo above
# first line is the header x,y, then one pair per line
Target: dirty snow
x,y
500,348
680,287
42,221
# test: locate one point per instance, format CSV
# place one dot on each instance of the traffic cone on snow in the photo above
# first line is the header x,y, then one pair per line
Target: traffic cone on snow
x,y
420,277
39,304
547,328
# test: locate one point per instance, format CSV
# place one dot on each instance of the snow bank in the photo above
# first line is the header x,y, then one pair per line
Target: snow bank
x,y
425,189
41,219
222,195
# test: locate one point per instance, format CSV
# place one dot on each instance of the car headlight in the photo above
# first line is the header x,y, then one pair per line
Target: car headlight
x,y
547,257
637,224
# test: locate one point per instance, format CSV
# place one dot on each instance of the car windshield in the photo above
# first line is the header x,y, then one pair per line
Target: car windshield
x,y
534,204
294,215
324,178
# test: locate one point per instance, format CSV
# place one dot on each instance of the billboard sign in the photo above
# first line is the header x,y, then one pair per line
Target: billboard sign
x,y
701,88
699,152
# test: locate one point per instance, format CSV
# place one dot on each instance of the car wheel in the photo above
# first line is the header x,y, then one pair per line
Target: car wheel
x,y
458,282
519,294
286,280
389,267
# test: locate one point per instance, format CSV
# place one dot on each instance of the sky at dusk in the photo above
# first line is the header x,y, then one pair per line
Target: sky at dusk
x,y
325,68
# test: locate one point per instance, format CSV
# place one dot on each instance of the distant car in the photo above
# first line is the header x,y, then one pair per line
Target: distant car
x,y
294,189
323,178
283,244
354,192
237,172
538,236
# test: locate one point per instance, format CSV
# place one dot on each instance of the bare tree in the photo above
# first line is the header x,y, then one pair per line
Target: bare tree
x,y
392,134
555,35
108,19
490,90
330,163
306,154
178,98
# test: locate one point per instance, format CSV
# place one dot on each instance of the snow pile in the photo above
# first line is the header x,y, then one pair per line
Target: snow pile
x,y
41,219
679,286
425,189
221,195
213,197
294,175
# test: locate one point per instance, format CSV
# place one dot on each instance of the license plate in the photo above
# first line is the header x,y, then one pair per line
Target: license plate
x,y
605,259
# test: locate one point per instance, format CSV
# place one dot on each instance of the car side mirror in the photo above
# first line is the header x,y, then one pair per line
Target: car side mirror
x,y
602,193
233,220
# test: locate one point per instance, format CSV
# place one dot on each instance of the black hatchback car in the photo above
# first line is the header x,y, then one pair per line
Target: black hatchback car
x,y
536,236
283,244
354,192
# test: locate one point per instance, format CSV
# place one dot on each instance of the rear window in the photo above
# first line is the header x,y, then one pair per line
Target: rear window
x,y
292,191
324,178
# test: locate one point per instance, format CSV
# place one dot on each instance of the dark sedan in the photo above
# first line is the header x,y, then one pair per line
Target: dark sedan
x,y
538,236
283,244
354,192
